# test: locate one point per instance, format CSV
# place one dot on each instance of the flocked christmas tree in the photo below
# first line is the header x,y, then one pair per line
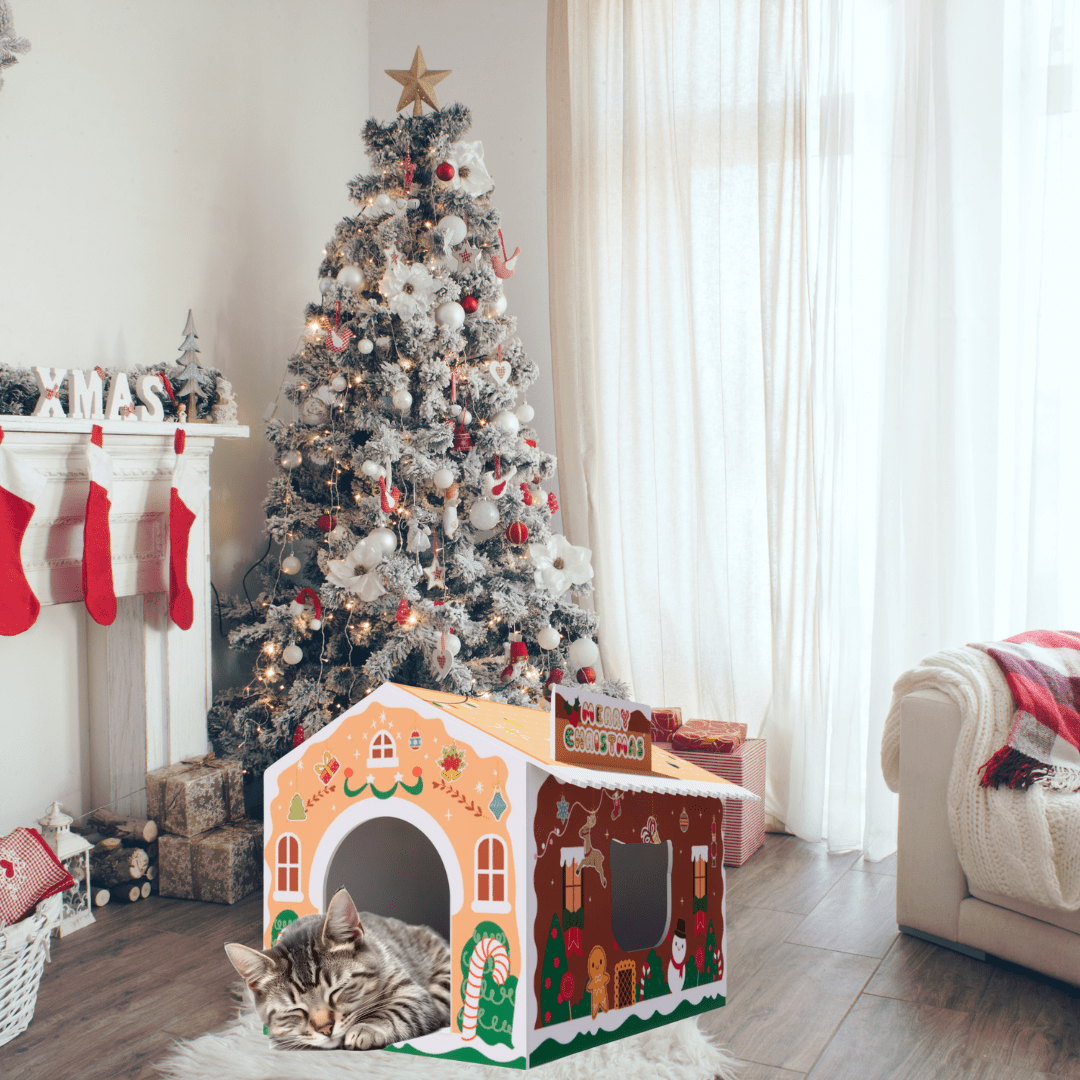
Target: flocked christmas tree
x,y
410,507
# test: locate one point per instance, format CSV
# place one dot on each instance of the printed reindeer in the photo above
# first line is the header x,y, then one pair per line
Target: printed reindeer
x,y
593,857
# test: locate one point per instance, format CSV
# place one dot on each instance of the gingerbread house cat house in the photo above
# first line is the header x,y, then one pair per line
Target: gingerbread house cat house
x,y
576,872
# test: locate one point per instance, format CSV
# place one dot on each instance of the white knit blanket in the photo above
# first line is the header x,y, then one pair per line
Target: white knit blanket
x,y
1023,844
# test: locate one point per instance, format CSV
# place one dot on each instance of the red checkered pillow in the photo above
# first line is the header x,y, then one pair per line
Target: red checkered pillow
x,y
29,872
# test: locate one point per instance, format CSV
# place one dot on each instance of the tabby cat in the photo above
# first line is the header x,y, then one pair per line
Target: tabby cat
x,y
348,981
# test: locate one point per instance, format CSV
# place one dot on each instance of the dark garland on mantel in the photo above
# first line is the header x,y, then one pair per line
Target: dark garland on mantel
x,y
19,389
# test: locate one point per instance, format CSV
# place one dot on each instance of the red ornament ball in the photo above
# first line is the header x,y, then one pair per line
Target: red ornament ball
x,y
327,522
517,532
470,304
445,172
586,675
348,773
417,770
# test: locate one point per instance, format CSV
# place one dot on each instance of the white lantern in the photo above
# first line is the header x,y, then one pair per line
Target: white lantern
x,y
73,851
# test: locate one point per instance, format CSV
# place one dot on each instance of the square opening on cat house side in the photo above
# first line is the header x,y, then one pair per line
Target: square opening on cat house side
x,y
576,871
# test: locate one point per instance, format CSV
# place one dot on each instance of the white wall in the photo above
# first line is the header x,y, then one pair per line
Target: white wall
x,y
156,157
497,51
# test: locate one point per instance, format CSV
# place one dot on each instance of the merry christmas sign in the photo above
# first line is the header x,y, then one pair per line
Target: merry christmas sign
x,y
601,732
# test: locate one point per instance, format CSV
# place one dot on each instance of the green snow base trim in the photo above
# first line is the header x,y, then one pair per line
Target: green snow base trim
x,y
550,1050
466,1053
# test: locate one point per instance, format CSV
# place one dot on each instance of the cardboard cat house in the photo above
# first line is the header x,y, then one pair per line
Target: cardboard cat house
x,y
577,873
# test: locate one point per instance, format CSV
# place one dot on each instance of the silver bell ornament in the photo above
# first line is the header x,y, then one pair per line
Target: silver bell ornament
x,y
291,459
548,638
291,565
292,654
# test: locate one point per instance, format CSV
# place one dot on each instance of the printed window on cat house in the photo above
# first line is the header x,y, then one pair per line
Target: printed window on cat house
x,y
571,859
382,753
640,894
287,870
489,877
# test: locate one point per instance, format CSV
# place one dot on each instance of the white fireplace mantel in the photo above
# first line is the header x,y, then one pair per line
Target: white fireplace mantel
x,y
149,682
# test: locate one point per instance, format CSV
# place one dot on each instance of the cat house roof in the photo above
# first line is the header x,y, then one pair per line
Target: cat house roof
x,y
526,732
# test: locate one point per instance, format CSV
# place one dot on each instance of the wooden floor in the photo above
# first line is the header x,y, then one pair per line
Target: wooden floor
x,y
819,984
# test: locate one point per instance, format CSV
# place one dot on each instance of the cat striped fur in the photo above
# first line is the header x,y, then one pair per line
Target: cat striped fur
x,y
348,980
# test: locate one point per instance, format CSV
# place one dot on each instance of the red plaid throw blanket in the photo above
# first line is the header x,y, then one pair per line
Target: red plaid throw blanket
x,y
1042,668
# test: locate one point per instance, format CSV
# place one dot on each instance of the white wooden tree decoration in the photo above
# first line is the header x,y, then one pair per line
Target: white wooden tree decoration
x,y
192,373
74,852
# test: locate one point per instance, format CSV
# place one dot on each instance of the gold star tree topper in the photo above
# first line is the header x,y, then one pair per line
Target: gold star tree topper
x,y
418,84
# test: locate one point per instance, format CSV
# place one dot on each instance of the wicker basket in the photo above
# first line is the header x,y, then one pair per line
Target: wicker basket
x,y
24,948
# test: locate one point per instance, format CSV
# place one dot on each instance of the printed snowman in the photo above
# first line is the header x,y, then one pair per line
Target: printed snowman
x,y
676,969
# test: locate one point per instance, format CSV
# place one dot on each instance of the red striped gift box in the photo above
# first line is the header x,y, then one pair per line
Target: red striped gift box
x,y
744,821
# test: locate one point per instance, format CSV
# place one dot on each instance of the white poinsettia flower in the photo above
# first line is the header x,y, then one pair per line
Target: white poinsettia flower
x,y
559,565
409,289
369,587
470,172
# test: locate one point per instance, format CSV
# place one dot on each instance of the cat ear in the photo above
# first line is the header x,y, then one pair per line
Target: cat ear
x,y
342,923
253,966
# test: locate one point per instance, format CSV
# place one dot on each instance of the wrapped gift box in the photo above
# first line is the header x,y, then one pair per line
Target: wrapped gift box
x,y
221,866
714,736
664,722
744,821
192,797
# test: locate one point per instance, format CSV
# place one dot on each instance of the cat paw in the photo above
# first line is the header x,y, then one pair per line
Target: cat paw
x,y
362,1039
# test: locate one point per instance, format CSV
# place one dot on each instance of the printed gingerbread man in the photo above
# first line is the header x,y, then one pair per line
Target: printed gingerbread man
x,y
598,980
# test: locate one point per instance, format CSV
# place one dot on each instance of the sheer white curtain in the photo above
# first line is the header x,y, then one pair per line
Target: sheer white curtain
x,y
814,274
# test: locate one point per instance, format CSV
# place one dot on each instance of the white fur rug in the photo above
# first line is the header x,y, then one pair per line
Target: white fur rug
x,y
676,1051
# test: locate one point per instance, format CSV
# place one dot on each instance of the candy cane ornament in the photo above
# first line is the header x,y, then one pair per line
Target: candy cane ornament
x,y
486,947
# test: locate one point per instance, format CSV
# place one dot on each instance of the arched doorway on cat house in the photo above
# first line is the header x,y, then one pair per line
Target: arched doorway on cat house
x,y
395,859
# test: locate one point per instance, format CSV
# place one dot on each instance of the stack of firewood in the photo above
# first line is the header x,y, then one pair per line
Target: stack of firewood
x,y
124,858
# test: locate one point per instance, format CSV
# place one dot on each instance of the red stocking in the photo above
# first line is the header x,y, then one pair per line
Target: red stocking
x,y
97,579
21,486
187,495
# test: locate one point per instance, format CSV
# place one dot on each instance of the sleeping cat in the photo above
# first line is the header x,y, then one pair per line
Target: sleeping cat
x,y
348,981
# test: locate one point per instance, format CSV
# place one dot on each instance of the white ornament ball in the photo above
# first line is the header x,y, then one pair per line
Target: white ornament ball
x,y
450,313
315,624
525,412
365,345
484,515
370,468
583,653
292,654
338,383
291,459
350,276
507,421
442,479
402,400
499,304
466,416
290,565
453,644
453,228
548,638
384,540
325,284
455,410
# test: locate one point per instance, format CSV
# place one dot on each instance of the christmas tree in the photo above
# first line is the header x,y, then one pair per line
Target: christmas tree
x,y
409,508
192,373
653,979
554,1005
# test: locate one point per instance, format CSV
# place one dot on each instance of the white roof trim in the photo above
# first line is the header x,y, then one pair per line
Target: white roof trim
x,y
568,855
661,785
699,851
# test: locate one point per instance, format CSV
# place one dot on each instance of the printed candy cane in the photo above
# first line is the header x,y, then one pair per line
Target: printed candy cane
x,y
485,947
